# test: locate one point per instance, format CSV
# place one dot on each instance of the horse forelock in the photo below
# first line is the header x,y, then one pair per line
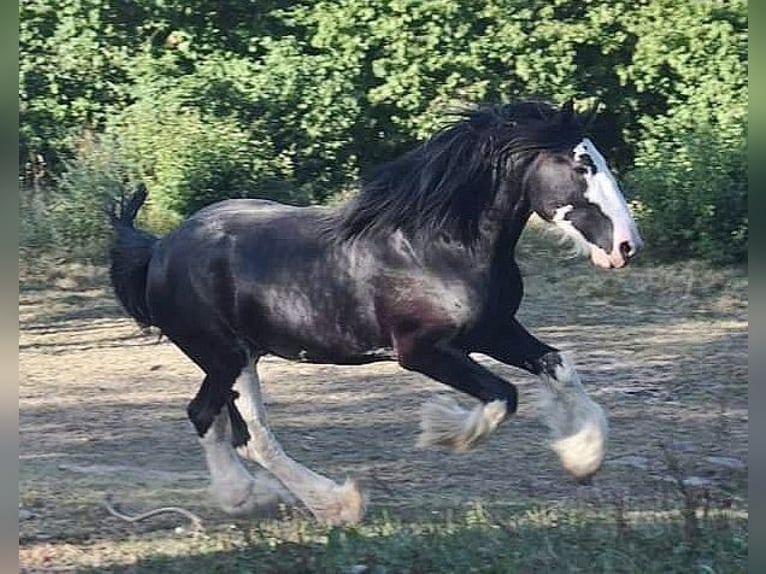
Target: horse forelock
x,y
445,184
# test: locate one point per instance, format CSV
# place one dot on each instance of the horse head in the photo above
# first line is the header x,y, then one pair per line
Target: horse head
x,y
573,188
501,163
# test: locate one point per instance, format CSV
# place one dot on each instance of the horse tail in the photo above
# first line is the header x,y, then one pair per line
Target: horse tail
x,y
129,254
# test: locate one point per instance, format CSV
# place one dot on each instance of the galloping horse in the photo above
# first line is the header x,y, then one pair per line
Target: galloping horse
x,y
418,267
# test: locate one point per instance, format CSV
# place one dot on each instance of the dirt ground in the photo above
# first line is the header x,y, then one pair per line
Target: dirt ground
x,y
102,407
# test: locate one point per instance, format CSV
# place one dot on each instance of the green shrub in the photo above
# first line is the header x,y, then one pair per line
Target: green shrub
x,y
691,197
186,161
230,127
295,99
35,233
67,217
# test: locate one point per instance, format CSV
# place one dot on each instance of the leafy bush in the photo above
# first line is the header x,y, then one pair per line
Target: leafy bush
x,y
297,98
232,127
68,216
691,193
35,233
186,161
690,170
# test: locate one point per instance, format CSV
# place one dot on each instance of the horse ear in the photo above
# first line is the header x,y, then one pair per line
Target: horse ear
x,y
567,111
589,117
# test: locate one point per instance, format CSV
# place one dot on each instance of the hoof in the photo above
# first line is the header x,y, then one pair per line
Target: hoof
x,y
582,453
578,424
262,495
494,413
345,507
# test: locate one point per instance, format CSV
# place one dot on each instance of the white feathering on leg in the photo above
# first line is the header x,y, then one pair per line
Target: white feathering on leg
x,y
328,501
444,422
578,424
232,487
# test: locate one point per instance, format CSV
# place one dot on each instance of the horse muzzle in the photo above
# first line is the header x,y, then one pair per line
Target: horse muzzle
x,y
620,256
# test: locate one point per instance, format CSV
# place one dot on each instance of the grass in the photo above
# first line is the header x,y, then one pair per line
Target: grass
x,y
690,288
478,540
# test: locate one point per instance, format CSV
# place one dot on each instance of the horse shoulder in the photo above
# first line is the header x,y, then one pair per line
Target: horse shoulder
x,y
424,291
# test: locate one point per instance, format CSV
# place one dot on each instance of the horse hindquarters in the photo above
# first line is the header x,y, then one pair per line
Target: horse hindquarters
x,y
129,257
194,324
195,327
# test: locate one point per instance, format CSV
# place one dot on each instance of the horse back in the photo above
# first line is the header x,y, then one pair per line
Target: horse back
x,y
274,277
270,275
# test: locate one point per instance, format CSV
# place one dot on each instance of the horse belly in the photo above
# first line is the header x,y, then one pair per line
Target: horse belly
x,y
291,324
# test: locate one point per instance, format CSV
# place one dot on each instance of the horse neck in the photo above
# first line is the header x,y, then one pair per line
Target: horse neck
x,y
501,226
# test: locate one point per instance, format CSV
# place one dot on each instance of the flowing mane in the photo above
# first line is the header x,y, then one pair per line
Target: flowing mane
x,y
445,183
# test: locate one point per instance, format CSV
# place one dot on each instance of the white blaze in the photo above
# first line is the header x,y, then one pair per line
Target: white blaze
x,y
604,192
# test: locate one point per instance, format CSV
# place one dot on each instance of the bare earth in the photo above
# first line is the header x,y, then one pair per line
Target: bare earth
x,y
102,408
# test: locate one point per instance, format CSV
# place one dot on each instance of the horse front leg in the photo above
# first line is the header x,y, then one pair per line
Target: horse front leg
x,y
443,421
577,423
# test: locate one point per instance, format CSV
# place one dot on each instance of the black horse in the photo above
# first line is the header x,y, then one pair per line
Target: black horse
x,y
418,267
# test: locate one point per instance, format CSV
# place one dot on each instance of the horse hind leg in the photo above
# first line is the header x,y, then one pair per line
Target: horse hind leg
x,y
219,425
232,487
328,501
207,403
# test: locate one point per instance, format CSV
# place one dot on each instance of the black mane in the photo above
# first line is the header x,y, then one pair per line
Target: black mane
x,y
445,184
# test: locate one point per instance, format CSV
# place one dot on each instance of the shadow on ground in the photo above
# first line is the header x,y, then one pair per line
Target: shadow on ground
x,y
102,409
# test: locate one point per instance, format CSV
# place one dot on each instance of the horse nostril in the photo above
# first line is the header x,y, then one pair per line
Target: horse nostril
x,y
626,250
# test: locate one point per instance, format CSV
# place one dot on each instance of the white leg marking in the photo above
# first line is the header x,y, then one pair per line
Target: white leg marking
x,y
328,501
444,422
233,488
578,424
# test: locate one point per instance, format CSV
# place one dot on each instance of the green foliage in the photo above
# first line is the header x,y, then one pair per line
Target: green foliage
x,y
690,66
69,217
73,57
35,234
690,171
691,194
186,159
232,127
293,100
78,202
